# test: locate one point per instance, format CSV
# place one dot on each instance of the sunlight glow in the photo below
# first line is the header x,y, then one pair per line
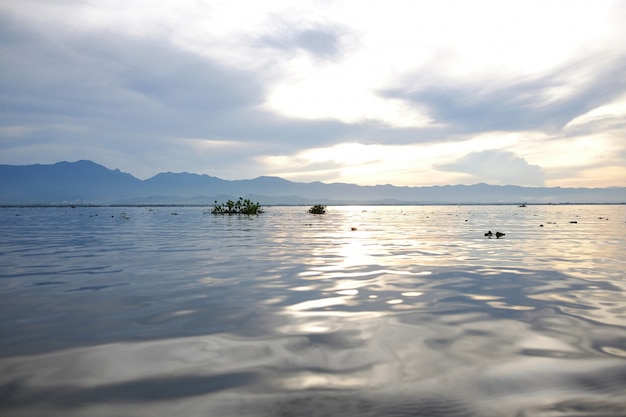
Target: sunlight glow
x,y
393,164
321,99
201,144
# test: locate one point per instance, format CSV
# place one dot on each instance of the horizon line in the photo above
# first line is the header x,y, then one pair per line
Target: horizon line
x,y
316,181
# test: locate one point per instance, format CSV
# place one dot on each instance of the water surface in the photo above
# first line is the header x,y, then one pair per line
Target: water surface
x,y
363,311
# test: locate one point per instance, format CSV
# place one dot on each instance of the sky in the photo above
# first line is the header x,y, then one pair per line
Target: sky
x,y
403,92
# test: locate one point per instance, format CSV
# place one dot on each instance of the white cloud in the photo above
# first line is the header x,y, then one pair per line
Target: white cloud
x,y
498,167
615,109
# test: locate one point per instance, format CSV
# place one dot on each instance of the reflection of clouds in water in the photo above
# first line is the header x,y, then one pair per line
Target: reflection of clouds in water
x,y
341,359
413,312
387,362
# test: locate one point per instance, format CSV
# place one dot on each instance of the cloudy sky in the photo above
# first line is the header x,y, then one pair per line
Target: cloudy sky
x,y
406,92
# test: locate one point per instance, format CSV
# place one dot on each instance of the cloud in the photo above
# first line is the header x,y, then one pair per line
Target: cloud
x,y
541,102
132,97
321,42
148,89
129,98
497,167
87,76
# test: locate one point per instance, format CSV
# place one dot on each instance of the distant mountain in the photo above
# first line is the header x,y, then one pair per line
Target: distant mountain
x,y
85,182
77,182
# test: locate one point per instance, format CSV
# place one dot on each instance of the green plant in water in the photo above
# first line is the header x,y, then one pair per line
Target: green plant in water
x,y
241,206
318,209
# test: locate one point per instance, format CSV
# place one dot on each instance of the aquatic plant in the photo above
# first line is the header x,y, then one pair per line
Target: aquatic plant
x,y
241,206
318,209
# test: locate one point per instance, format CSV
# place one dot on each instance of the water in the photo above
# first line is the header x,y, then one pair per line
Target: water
x,y
364,311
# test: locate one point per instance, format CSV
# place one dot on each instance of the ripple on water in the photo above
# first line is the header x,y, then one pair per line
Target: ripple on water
x,y
414,313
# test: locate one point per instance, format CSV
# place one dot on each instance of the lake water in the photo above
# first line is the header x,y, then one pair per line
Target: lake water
x,y
363,311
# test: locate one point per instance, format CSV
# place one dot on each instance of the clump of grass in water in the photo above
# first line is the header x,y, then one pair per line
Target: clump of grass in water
x,y
240,206
318,209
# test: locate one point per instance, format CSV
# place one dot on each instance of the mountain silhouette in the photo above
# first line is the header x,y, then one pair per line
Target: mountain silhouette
x,y
86,182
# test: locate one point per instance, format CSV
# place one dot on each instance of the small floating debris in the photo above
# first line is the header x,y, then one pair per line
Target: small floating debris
x,y
499,235
541,225
573,222
353,228
489,234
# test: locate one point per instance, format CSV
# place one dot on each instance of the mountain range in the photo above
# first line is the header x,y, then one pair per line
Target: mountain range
x,y
86,182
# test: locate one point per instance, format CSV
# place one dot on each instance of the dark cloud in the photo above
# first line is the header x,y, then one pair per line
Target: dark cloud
x,y
318,42
498,167
521,104
119,79
323,42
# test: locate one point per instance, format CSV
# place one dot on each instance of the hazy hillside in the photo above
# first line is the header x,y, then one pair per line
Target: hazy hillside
x,y
82,181
85,182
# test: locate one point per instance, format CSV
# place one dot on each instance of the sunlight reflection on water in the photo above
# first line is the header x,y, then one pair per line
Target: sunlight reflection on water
x,y
390,311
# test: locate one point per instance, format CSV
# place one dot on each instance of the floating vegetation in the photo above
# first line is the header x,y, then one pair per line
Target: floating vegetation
x,y
241,206
318,209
